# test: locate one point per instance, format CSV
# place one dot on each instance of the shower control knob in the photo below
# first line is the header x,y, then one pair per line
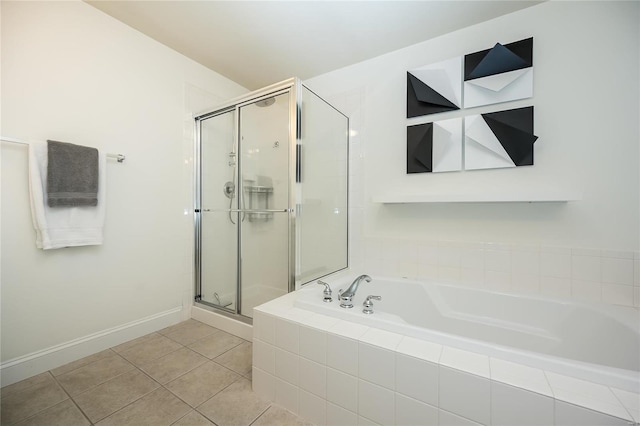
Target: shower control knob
x,y
327,291
368,304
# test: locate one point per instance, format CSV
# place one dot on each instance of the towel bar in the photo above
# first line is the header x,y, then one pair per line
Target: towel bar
x,y
118,157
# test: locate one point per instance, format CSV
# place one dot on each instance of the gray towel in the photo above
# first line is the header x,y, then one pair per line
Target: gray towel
x,y
72,175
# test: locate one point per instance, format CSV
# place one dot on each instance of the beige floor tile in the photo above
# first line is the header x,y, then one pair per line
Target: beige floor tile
x,y
202,383
177,326
131,343
237,359
84,378
236,405
173,365
107,398
216,344
194,419
82,362
191,332
160,407
27,399
63,414
278,416
26,383
151,349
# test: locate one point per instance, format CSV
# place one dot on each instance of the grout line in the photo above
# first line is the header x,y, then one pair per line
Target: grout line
x,y
261,414
71,398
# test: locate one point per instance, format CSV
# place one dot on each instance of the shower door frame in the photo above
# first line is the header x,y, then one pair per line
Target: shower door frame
x,y
292,86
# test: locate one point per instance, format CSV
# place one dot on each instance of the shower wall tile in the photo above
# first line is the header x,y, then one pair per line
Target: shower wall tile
x,y
525,262
616,294
579,251
556,272
497,280
428,253
525,283
448,274
553,264
555,287
498,260
408,269
449,254
472,256
471,277
617,271
586,291
427,272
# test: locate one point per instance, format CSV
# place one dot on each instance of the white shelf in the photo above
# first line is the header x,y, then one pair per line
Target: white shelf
x,y
502,197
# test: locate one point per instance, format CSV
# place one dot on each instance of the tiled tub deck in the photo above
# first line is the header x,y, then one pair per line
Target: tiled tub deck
x,y
334,372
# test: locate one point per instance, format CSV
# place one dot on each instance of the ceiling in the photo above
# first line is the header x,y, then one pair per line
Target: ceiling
x,y
256,43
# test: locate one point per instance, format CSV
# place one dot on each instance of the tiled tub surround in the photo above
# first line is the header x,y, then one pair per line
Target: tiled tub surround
x,y
592,275
333,371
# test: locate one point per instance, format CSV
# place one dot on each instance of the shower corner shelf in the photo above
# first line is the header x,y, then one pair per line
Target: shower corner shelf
x,y
546,196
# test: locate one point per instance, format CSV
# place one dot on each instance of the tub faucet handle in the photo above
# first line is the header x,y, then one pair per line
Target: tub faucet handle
x,y
368,304
327,291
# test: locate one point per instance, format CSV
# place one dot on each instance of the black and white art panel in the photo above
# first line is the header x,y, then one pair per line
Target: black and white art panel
x,y
434,88
435,147
499,139
500,74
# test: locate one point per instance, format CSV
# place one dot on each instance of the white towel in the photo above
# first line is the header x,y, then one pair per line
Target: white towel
x,y
59,227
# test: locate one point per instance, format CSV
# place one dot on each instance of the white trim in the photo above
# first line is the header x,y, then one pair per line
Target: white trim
x,y
230,325
23,367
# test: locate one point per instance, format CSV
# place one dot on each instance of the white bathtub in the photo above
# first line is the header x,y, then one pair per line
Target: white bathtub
x,y
596,343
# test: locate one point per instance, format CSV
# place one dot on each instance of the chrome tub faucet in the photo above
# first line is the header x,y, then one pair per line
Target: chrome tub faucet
x,y
347,296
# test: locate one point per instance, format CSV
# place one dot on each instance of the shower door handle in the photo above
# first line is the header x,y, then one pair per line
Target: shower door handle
x,y
262,211
245,211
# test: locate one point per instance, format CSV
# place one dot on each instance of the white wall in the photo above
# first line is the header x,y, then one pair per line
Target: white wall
x,y
72,73
586,98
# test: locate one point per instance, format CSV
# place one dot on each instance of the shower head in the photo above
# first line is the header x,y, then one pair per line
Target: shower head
x,y
266,102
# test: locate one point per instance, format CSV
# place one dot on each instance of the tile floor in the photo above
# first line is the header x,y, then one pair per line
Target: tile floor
x,y
186,374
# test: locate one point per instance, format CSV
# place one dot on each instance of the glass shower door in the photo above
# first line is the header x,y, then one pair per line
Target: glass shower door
x,y
264,179
219,218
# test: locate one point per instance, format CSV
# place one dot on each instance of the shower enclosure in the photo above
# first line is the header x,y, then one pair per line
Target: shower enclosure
x,y
271,196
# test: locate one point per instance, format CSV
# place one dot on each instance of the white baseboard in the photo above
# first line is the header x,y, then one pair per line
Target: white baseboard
x,y
235,327
29,365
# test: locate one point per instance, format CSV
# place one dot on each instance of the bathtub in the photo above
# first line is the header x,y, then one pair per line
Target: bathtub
x,y
596,343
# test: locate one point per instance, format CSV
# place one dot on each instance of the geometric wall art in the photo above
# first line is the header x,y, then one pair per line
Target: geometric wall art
x,y
500,74
499,139
435,147
434,88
